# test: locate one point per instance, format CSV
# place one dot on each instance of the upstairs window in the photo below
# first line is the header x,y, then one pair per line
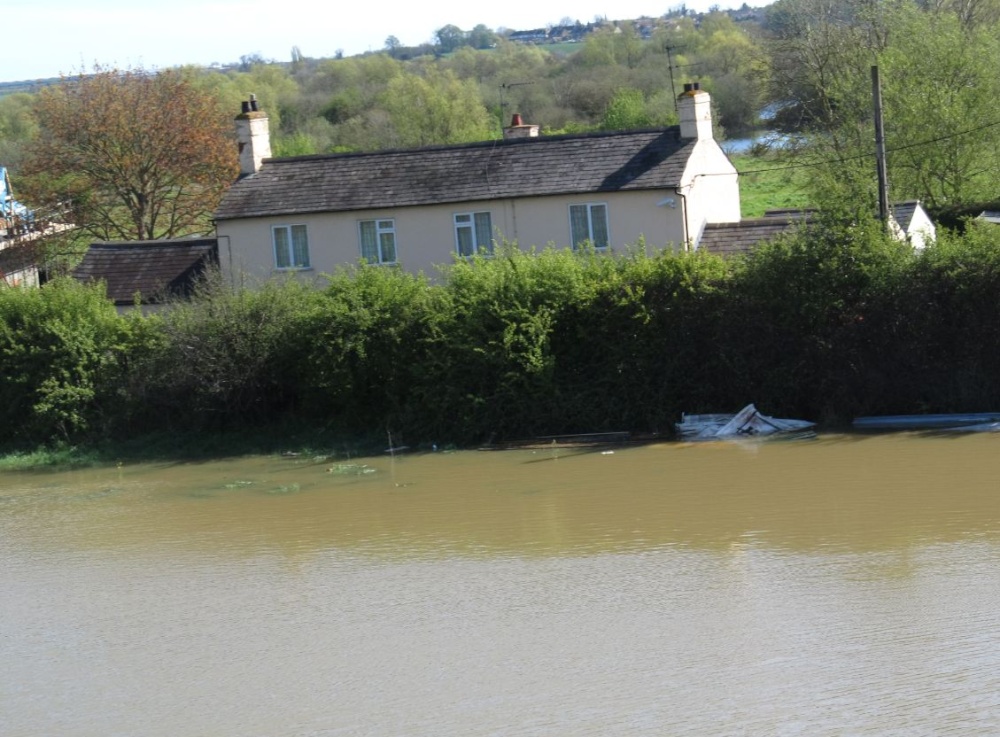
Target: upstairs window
x,y
589,224
291,246
378,241
473,233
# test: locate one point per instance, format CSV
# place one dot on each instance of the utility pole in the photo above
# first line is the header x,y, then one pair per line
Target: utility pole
x,y
883,179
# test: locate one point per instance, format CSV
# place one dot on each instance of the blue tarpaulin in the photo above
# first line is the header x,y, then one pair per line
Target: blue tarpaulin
x,y
9,207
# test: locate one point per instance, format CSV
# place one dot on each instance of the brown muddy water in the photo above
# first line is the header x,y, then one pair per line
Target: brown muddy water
x,y
845,585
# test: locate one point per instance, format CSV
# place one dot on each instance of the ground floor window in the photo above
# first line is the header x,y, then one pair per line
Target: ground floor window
x,y
473,233
588,223
378,241
291,246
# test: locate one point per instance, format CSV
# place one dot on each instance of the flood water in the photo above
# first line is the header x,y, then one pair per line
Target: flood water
x,y
847,585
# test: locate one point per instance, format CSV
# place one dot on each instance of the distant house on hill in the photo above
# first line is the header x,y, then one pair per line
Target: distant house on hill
x,y
422,207
154,272
533,36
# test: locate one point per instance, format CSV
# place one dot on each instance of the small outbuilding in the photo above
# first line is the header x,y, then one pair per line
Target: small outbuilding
x,y
150,272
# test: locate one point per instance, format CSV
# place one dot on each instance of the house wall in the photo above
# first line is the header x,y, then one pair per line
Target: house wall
x,y
922,231
711,189
425,236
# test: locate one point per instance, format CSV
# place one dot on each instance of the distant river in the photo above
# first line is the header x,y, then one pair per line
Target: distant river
x,y
771,139
846,585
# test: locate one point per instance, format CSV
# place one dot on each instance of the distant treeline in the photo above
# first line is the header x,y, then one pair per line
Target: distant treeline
x,y
830,322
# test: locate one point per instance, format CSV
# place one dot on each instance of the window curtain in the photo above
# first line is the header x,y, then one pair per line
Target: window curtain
x,y
369,242
281,249
599,225
387,239
300,246
579,224
484,232
465,244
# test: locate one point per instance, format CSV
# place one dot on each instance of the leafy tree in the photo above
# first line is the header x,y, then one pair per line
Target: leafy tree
x,y
940,88
433,109
970,13
481,37
449,38
610,46
131,155
627,110
17,127
821,55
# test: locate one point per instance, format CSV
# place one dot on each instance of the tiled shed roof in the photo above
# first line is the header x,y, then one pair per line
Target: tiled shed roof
x,y
735,239
523,167
152,268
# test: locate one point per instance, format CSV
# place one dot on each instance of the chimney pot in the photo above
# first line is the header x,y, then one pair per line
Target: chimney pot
x,y
245,107
516,119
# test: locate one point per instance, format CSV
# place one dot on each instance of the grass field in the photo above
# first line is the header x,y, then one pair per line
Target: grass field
x,y
767,183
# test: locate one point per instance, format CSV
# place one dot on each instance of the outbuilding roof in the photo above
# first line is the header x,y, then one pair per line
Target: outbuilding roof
x,y
153,269
515,168
903,212
736,239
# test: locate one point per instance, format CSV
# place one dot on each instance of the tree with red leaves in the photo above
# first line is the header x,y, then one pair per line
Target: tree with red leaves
x,y
130,155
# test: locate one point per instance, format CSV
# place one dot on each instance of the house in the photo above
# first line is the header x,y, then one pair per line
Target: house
x,y
423,207
909,221
151,271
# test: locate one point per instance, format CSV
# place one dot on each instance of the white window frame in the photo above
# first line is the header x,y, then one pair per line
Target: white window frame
x,y
382,227
577,242
481,239
289,232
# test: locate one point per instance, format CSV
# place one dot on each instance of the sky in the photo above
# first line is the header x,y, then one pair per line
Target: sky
x,y
49,38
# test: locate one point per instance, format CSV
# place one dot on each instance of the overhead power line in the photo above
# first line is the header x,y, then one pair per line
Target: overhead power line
x,y
860,157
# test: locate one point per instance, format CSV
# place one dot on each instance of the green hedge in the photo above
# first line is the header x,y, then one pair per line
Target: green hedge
x,y
826,323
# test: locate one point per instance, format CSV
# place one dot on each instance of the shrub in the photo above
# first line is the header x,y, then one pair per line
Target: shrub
x,y
58,344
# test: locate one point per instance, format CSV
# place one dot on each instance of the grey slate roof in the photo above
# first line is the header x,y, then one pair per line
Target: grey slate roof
x,y
523,167
155,269
737,239
902,213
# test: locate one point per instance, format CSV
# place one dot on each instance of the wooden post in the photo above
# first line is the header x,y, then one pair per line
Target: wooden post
x,y
883,179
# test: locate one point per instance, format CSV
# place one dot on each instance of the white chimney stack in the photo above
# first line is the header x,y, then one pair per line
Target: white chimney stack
x,y
694,106
253,136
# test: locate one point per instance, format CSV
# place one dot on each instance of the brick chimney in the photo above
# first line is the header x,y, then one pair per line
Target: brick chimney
x,y
253,136
695,108
518,129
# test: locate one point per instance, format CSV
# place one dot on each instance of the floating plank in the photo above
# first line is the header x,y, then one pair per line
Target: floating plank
x,y
925,422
